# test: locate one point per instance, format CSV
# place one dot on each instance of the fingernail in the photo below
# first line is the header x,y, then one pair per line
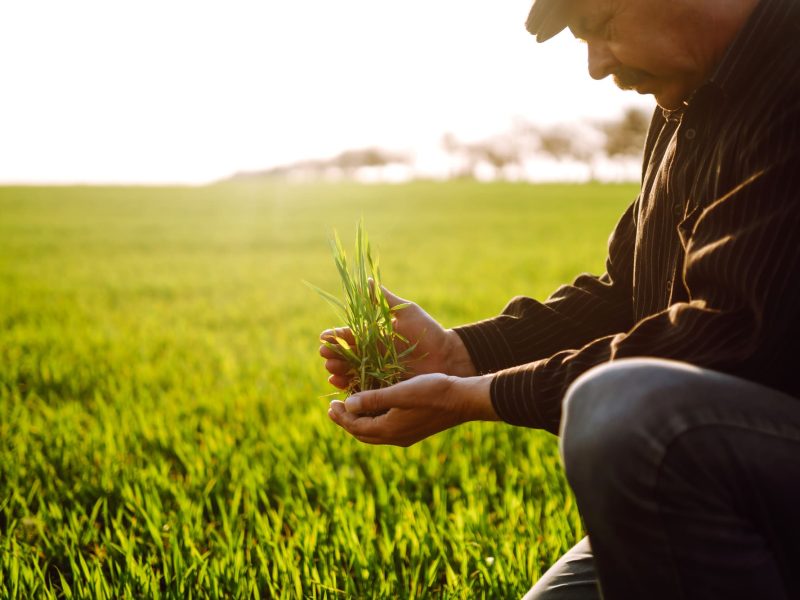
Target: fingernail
x,y
353,404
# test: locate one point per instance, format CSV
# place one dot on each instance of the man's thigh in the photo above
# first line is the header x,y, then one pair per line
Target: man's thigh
x,y
687,480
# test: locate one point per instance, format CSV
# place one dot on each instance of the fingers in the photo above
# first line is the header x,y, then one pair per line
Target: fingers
x,y
340,370
334,363
330,335
337,366
326,352
340,381
365,429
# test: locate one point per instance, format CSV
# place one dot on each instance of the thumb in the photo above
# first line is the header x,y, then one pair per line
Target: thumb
x,y
375,401
364,402
392,299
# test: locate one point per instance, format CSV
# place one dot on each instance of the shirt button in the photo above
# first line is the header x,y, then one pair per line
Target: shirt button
x,y
677,209
690,134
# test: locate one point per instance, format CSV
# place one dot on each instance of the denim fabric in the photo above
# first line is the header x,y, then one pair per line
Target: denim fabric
x,y
571,578
688,481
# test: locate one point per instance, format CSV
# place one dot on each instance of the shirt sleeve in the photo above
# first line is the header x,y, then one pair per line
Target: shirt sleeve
x,y
573,315
742,271
589,308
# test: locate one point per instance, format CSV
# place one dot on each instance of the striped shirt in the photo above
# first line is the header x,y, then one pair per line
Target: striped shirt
x,y
704,266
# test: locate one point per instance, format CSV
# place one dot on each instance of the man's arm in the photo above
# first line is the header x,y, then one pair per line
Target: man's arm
x,y
742,271
743,276
572,316
451,385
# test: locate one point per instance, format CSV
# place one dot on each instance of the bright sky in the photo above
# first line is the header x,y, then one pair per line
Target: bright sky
x,y
190,91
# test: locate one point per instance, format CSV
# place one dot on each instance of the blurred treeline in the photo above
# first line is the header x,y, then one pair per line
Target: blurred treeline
x,y
589,150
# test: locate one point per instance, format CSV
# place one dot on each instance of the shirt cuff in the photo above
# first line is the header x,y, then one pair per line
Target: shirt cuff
x,y
512,393
487,345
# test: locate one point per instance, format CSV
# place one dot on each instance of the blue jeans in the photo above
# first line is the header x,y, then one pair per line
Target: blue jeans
x,y
688,481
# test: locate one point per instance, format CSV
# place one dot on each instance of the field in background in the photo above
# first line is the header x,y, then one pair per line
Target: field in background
x,y
162,426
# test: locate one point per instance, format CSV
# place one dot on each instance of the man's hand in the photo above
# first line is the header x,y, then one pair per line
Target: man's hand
x,y
438,350
416,408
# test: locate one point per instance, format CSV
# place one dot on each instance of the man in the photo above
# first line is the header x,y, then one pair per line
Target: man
x,y
685,464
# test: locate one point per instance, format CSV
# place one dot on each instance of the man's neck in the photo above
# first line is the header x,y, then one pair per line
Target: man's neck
x,y
724,20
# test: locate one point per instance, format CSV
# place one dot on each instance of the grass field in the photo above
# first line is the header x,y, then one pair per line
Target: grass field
x,y
162,427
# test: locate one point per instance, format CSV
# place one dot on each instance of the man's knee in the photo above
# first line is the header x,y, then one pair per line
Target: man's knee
x,y
612,412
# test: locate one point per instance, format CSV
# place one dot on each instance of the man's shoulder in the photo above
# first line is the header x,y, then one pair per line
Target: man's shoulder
x,y
761,68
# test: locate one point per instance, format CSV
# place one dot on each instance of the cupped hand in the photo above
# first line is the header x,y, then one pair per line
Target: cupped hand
x,y
414,409
437,350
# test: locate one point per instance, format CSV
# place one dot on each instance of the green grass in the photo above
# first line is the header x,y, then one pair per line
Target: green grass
x,y
162,426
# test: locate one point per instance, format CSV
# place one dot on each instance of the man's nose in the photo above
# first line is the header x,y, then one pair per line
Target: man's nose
x,y
601,60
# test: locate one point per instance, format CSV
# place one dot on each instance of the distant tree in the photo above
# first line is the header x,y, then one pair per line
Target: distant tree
x,y
345,163
527,137
563,142
453,146
557,142
499,152
368,157
466,166
351,160
450,143
625,136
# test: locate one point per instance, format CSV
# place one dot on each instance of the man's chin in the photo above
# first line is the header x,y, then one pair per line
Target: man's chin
x,y
666,97
671,97
669,101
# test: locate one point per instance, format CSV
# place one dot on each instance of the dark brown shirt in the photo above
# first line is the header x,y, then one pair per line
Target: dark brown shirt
x,y
704,266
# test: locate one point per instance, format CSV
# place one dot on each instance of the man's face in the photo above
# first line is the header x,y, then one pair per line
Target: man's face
x,y
646,45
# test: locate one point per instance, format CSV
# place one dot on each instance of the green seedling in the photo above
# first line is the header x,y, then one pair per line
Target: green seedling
x,y
374,358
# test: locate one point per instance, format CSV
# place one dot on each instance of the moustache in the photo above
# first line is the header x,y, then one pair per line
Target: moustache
x,y
627,78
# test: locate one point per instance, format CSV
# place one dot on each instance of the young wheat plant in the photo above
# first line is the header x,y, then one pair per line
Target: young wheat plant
x,y
374,358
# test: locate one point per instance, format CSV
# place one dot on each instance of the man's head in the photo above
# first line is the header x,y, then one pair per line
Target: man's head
x,y
667,48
